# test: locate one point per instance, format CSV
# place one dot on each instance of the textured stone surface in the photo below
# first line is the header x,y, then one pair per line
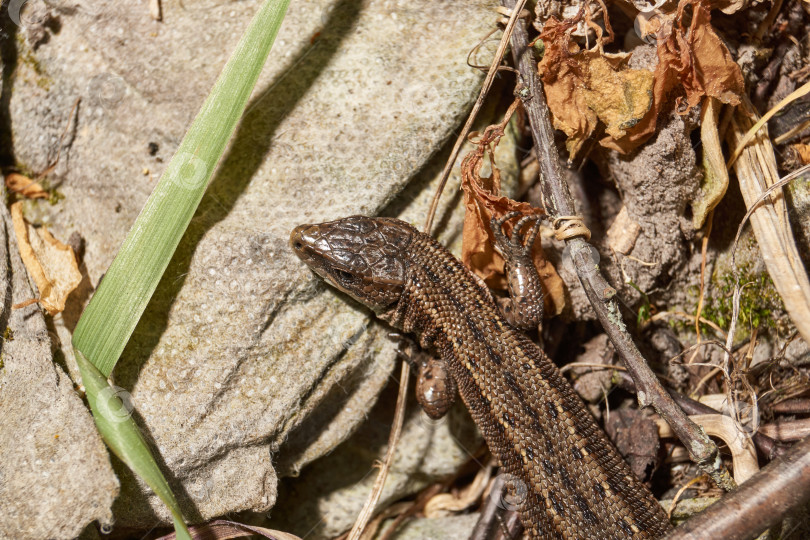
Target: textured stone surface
x,y
326,499
449,528
241,350
55,474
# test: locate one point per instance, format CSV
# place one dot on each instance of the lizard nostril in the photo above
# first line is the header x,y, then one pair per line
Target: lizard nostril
x,y
297,242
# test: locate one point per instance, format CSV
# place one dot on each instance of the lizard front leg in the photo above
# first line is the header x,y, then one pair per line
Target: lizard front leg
x,y
435,387
524,308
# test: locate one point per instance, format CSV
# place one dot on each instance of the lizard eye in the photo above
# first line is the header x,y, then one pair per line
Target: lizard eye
x,y
344,275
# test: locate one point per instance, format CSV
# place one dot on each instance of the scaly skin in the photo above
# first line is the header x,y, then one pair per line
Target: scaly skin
x,y
576,485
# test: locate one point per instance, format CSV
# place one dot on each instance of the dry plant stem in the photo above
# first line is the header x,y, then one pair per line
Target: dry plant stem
x,y
792,406
393,437
408,511
792,132
743,452
799,311
788,431
767,447
490,520
783,486
703,248
752,132
493,70
557,201
677,496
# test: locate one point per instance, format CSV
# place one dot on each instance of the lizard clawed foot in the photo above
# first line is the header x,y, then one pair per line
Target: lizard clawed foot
x,y
518,245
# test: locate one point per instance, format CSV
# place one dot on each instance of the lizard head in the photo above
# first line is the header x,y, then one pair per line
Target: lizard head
x,y
364,257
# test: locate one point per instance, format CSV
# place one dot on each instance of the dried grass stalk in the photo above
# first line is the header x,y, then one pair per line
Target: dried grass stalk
x,y
756,171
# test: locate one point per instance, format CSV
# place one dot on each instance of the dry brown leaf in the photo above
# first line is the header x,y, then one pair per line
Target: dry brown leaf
x,y
21,184
585,87
483,200
804,152
50,263
694,59
730,7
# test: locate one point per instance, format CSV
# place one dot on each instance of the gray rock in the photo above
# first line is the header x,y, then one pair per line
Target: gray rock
x,y
55,473
242,353
326,499
448,528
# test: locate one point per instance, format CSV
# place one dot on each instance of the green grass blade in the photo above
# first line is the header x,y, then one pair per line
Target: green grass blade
x,y
110,318
112,314
112,413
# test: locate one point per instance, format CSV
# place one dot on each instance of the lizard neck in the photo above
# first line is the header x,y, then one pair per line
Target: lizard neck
x,y
439,290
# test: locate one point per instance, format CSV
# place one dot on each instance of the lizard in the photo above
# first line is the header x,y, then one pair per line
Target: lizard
x,y
570,481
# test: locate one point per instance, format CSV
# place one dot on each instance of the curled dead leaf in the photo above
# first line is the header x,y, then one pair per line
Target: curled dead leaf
x,y
693,59
22,185
715,174
586,87
482,200
51,264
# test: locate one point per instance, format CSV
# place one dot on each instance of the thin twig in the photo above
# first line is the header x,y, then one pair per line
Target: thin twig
x,y
393,438
601,295
703,248
782,487
574,365
767,446
682,314
493,70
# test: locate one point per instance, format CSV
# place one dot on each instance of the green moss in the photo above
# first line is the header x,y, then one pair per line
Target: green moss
x,y
55,196
759,303
645,309
8,334
27,58
539,49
